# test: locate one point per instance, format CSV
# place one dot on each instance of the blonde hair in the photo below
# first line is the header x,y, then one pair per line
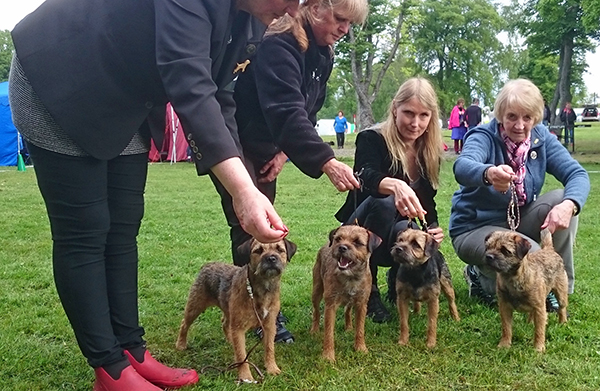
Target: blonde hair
x,y
354,10
429,146
522,94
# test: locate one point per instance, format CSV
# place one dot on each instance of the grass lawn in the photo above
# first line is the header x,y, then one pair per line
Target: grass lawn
x,y
185,228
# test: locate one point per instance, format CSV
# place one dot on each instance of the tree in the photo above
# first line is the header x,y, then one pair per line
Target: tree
x,y
556,27
456,43
6,50
369,50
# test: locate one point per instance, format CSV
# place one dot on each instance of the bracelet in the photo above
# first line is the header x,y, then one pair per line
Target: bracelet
x,y
485,179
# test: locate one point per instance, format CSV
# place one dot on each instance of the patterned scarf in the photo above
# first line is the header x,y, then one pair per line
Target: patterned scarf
x,y
517,156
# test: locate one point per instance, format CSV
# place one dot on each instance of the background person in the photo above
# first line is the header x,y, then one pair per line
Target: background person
x,y
278,97
83,99
547,114
473,114
514,152
400,166
340,126
458,125
568,117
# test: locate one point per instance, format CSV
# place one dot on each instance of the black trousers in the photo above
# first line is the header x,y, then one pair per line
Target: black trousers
x,y
379,216
237,235
340,139
95,209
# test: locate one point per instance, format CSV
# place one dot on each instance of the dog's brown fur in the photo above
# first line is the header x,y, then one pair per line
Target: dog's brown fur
x,y
524,280
225,286
341,276
422,276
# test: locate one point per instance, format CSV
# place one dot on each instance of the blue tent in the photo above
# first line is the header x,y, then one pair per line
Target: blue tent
x,y
9,147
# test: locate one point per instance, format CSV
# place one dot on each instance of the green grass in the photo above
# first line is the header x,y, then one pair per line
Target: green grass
x,y
184,228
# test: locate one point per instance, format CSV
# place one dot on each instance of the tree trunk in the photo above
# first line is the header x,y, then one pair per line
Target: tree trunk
x,y
565,71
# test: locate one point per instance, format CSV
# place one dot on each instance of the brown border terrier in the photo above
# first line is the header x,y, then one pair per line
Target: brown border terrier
x,y
341,276
243,294
524,279
423,274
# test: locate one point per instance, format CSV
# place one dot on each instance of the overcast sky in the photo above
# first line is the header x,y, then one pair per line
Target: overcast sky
x,y
17,9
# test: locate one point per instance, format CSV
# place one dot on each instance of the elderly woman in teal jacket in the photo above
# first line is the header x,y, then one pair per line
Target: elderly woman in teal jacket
x,y
510,157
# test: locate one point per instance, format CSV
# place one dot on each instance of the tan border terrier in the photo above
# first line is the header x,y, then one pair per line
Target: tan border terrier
x,y
423,274
524,279
243,294
341,276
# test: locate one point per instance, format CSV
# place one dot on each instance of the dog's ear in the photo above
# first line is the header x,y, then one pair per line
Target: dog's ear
x,y
488,236
243,251
290,248
331,235
431,246
522,246
374,241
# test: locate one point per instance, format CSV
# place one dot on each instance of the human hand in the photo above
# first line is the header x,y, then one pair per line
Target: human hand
x,y
500,177
559,216
340,175
258,217
437,233
406,200
254,211
272,168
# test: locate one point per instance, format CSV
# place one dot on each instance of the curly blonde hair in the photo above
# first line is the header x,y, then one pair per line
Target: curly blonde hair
x,y
429,146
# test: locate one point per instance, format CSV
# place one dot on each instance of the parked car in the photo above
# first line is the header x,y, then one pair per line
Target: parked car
x,y
590,114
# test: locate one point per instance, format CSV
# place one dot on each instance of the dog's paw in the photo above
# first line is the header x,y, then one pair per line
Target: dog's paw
x,y
273,369
361,348
431,344
540,348
504,344
329,356
181,345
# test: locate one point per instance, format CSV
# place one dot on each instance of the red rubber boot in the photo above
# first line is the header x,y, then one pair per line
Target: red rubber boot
x,y
161,375
130,380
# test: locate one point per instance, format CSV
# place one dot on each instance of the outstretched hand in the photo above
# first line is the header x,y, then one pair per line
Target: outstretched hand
x,y
340,175
500,177
254,211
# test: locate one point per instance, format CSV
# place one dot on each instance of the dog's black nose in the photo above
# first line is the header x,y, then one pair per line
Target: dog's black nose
x,y
343,248
272,258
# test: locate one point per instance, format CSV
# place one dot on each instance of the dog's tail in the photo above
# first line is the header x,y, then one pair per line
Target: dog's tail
x,y
546,239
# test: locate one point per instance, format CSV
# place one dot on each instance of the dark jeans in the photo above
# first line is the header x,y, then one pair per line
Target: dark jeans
x,y
340,139
237,235
379,216
95,209
569,134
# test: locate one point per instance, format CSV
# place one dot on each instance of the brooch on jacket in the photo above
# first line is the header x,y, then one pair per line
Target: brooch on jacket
x,y
241,67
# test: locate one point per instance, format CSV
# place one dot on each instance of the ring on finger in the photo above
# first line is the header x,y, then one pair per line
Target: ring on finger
x,y
406,208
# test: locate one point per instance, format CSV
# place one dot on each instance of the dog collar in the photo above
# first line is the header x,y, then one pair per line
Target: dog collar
x,y
249,288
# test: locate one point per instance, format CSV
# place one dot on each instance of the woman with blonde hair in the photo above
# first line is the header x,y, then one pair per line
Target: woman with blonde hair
x,y
278,97
399,164
501,173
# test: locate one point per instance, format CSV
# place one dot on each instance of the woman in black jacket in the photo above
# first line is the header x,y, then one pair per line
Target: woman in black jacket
x,y
86,77
278,97
399,165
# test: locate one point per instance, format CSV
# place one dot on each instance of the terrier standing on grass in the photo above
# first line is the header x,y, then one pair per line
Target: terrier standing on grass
x,y
422,276
243,294
524,280
341,276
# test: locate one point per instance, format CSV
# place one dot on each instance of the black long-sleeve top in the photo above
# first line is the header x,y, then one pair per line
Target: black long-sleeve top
x,y
278,97
373,158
